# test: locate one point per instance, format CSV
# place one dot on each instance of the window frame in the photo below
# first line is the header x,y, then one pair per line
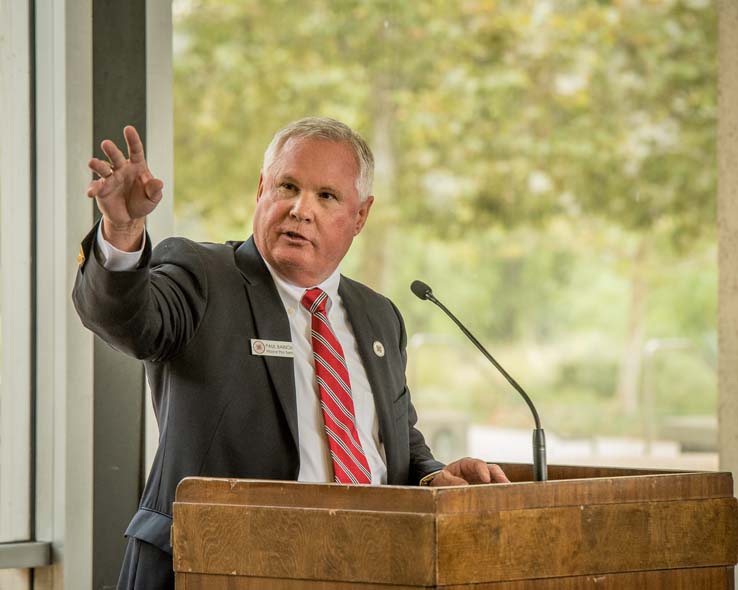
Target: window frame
x,y
16,303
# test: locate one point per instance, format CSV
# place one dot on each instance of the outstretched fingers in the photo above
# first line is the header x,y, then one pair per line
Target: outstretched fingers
x,y
135,146
104,171
100,167
117,159
124,187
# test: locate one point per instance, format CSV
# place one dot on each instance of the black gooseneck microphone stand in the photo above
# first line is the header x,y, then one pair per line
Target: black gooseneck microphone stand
x,y
540,468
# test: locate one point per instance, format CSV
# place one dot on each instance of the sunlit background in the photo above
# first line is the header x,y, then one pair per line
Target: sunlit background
x,y
547,167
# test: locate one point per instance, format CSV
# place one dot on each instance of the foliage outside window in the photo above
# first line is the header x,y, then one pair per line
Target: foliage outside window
x,y
548,167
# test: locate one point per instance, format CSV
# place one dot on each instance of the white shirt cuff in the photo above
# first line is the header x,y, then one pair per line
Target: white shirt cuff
x,y
426,481
118,260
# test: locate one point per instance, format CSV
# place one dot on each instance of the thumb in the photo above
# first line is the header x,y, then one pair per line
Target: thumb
x,y
153,189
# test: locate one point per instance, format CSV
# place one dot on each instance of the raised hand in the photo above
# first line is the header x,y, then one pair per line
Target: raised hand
x,y
126,191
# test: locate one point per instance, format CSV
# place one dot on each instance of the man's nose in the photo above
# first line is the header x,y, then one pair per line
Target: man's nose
x,y
302,207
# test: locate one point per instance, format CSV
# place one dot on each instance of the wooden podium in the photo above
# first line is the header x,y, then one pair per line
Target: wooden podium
x,y
586,528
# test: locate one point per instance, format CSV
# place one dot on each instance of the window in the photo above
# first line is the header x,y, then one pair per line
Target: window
x,y
547,167
15,278
15,289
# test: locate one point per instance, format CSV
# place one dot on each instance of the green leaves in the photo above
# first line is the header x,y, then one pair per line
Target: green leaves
x,y
528,143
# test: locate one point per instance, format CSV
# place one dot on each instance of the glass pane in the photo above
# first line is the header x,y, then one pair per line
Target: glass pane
x,y
547,167
15,277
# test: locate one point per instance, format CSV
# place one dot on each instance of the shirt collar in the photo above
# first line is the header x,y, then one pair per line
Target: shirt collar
x,y
292,294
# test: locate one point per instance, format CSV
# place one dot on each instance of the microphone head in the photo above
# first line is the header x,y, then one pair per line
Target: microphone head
x,y
421,290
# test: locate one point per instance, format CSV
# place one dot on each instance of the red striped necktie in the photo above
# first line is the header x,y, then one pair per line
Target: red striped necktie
x,y
349,462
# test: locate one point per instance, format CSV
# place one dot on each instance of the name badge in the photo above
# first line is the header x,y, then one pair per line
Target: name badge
x,y
271,348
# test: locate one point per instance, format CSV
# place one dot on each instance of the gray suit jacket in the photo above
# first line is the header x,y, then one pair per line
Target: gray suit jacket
x,y
189,311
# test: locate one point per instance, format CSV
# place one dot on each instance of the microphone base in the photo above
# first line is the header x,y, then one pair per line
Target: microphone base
x,y
540,467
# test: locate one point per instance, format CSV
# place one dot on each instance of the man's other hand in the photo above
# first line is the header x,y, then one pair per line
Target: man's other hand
x,y
468,471
126,191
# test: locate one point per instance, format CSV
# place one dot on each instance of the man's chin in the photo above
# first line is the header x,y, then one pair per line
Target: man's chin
x,y
293,267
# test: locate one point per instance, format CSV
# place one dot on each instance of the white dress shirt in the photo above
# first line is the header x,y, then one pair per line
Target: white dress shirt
x,y
315,459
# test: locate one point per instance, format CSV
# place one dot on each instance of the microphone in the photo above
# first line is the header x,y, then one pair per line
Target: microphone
x,y
540,468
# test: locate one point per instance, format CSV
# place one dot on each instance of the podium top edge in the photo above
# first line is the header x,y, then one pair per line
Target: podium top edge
x,y
517,494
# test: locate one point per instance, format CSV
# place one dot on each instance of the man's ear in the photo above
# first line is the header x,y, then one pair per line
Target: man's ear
x,y
260,190
363,214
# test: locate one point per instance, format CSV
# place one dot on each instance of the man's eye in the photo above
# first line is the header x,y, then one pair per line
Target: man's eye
x,y
288,186
327,196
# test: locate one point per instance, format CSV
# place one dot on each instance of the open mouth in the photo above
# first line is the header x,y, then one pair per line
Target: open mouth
x,y
293,235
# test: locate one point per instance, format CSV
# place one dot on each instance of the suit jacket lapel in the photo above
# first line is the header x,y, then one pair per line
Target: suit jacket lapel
x,y
271,323
376,369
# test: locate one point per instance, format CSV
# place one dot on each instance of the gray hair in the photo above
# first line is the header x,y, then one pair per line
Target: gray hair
x,y
329,130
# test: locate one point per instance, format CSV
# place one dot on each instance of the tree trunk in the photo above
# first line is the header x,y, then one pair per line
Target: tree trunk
x,y
629,376
377,233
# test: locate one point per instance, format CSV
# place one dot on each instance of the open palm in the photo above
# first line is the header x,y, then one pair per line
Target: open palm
x,y
126,191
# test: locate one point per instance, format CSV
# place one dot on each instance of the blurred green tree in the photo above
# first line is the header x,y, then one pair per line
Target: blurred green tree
x,y
525,134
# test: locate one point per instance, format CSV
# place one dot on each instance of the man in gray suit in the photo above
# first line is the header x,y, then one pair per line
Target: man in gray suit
x,y
263,361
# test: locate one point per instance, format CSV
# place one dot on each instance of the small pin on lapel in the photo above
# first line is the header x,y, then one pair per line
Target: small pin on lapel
x,y
81,257
378,348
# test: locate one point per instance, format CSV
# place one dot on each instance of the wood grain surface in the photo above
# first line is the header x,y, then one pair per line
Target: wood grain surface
x,y
586,539
306,495
586,528
595,490
304,543
523,472
688,579
603,486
